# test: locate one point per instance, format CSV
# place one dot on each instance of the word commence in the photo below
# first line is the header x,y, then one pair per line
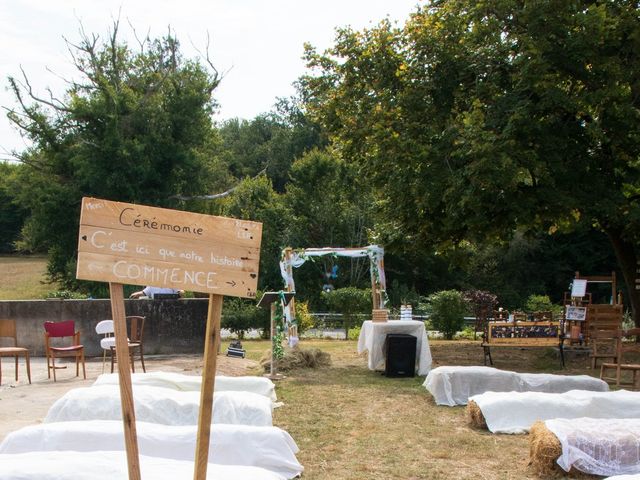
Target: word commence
x,y
131,219
150,275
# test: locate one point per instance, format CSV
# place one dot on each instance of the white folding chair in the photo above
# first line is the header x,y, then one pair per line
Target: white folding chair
x,y
105,327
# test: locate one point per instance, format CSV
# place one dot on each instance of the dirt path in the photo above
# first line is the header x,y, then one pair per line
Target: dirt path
x,y
22,404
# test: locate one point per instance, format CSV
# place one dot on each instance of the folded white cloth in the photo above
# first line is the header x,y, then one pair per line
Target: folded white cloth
x,y
515,412
454,385
598,446
180,381
160,405
105,465
270,448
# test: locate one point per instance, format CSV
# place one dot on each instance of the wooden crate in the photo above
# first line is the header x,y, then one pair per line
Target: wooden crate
x,y
380,315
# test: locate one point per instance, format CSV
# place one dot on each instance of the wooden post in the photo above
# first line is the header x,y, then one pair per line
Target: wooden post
x,y
124,375
212,341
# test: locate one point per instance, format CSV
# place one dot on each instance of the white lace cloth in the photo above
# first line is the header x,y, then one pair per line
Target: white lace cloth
x,y
105,465
160,405
454,385
267,447
180,381
515,412
598,446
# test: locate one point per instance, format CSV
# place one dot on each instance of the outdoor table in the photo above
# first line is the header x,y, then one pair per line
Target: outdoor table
x,y
374,334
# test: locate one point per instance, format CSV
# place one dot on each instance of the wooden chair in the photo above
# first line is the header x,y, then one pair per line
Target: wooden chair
x,y
63,330
520,317
603,345
8,330
135,328
626,344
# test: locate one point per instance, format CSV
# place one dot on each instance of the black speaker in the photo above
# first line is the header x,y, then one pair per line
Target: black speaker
x,y
400,355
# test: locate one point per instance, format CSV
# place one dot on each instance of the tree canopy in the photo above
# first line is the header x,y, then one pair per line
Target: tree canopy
x,y
135,127
477,120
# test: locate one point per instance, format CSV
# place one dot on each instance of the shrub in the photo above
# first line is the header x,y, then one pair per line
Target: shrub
x,y
354,333
349,302
239,315
66,295
447,309
303,317
542,303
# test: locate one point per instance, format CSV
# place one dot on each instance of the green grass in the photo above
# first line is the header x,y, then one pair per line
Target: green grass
x,y
24,277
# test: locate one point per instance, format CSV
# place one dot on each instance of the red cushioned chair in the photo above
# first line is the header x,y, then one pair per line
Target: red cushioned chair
x,y
62,330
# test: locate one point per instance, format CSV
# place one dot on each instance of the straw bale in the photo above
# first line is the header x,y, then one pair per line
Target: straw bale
x,y
299,358
474,416
544,450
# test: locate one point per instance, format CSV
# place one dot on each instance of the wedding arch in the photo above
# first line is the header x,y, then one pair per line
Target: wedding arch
x,y
294,258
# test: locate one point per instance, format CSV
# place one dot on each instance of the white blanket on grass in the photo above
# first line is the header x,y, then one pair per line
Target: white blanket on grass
x,y
598,446
515,412
454,385
267,447
104,465
180,381
160,405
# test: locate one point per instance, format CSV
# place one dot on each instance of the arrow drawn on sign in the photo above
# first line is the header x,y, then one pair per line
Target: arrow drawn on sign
x,y
232,283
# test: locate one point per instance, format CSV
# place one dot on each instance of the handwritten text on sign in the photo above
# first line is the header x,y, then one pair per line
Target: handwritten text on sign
x,y
141,245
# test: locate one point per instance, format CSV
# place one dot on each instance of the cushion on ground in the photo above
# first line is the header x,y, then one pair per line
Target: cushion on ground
x,y
454,385
180,381
103,465
598,446
515,412
160,405
267,447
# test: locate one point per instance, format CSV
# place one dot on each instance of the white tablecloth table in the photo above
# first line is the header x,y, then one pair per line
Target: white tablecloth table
x,y
373,335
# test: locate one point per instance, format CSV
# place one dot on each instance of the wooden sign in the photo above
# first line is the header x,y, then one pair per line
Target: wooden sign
x,y
141,245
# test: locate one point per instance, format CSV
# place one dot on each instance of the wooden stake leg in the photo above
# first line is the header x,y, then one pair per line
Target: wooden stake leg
x,y
211,344
124,375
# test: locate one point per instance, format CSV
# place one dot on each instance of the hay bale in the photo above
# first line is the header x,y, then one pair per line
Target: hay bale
x,y
475,417
296,358
544,450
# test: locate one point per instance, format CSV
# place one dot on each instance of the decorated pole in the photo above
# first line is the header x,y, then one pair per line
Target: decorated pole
x,y
124,243
272,299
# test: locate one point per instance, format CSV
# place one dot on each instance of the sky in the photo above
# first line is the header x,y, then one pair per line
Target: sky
x,y
258,45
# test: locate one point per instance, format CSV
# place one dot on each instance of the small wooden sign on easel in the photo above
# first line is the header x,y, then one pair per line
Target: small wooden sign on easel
x,y
124,243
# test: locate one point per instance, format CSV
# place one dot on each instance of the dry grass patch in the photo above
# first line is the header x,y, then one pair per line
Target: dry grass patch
x,y
351,423
24,277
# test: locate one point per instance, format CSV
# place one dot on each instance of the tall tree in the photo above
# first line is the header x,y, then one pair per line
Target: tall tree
x,y
135,127
479,119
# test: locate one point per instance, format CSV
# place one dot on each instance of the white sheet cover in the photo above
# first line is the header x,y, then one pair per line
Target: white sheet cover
x,y
624,477
103,465
515,412
188,383
373,335
160,405
598,446
454,385
267,447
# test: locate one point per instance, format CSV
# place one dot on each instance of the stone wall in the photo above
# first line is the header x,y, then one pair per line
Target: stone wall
x,y
171,326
